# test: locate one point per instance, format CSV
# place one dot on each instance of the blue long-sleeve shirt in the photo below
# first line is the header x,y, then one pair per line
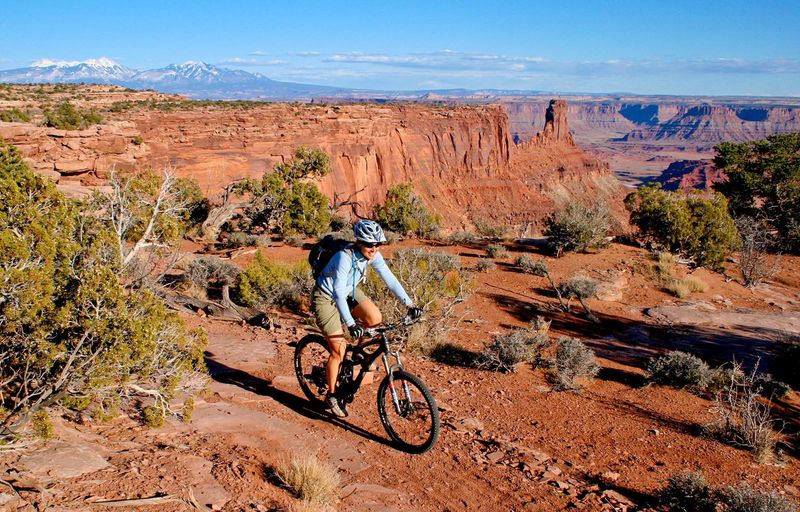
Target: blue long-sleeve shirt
x,y
346,269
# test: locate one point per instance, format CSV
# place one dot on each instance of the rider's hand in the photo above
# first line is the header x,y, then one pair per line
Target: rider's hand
x,y
414,312
356,332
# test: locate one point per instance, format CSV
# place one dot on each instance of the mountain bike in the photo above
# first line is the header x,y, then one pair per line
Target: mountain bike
x,y
406,406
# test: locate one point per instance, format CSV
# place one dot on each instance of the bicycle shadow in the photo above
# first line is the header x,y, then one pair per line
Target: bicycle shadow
x,y
224,374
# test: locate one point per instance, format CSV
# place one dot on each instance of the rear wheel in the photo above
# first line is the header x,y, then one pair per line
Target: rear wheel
x,y
412,422
310,363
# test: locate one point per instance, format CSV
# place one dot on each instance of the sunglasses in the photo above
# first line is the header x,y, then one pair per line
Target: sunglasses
x,y
370,245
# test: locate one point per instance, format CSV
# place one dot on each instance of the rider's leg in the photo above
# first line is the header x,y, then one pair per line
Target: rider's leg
x,y
368,312
337,347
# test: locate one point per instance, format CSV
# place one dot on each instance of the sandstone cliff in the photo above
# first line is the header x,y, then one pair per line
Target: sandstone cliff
x,y
462,160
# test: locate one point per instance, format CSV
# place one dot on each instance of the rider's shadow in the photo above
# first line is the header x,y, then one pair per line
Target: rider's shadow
x,y
228,375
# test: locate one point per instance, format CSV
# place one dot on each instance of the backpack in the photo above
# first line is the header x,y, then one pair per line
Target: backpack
x,y
323,251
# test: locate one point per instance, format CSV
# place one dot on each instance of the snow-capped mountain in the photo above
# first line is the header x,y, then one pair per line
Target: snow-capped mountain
x,y
102,70
193,79
195,72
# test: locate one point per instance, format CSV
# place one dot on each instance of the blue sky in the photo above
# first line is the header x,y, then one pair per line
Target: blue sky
x,y
651,47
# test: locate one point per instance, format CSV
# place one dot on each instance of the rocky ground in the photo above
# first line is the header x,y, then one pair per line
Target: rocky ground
x,y
509,442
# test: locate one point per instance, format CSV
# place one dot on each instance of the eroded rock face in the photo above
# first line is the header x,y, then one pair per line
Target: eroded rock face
x,y
462,160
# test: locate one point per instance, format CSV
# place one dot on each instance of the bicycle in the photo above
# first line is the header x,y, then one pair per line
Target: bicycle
x,y
406,406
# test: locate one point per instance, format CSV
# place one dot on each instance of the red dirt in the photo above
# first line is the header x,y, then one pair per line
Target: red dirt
x,y
508,441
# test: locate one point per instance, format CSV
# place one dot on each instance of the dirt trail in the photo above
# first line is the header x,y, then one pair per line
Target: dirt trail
x,y
508,441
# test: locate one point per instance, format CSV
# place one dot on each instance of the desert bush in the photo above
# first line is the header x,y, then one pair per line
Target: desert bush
x,y
573,360
208,271
679,370
491,231
496,251
310,479
744,498
539,268
340,223
14,115
42,425
294,241
581,288
239,239
404,212
67,117
188,410
484,265
665,266
518,346
461,238
578,227
688,492
435,281
68,326
683,288
755,261
267,283
742,419
698,227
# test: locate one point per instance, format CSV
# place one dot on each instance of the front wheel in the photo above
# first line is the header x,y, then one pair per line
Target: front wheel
x,y
408,412
310,363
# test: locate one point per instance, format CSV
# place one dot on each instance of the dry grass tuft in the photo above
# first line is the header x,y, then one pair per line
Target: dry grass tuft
x,y
310,479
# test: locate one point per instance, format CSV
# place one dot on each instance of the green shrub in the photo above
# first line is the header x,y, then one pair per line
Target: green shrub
x,y
578,228
530,266
137,140
435,281
188,410
461,238
153,416
699,227
266,283
763,181
42,426
688,492
679,370
209,271
581,288
67,322
491,231
284,201
496,251
518,346
484,265
14,115
404,212
294,241
744,498
66,117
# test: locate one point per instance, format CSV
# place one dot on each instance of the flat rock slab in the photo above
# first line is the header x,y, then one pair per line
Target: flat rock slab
x,y
705,314
223,417
369,497
207,491
62,460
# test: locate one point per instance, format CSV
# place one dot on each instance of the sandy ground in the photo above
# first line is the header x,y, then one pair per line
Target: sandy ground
x,y
509,442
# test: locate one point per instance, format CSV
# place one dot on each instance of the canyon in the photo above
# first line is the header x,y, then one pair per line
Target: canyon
x,y
641,136
462,159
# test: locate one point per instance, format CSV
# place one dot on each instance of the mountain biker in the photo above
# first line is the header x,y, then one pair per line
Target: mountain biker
x,y
336,298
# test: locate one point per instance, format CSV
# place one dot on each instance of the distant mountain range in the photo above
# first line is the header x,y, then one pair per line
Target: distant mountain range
x,y
193,79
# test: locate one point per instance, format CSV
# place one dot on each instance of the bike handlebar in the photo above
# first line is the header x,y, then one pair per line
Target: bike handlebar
x,y
405,322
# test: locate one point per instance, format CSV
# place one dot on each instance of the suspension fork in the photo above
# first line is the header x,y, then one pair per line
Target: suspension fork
x,y
389,372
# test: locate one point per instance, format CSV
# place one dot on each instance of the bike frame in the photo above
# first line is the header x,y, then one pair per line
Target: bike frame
x,y
381,340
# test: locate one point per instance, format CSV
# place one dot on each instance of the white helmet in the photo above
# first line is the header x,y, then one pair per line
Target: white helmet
x,y
369,231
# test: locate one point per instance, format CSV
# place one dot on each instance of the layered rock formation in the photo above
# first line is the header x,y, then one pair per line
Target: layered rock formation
x,y
462,160
690,175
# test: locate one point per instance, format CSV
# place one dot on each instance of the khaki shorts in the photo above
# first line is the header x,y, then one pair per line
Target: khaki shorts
x,y
327,315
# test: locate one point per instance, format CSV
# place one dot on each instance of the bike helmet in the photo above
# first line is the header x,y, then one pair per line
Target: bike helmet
x,y
369,231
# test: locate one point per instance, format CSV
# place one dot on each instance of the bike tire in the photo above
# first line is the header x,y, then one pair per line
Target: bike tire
x,y
416,428
310,362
